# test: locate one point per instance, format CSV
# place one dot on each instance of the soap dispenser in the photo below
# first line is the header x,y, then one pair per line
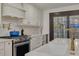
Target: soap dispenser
x,y
22,32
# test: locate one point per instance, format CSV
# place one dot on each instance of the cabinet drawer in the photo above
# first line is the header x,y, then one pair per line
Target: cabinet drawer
x,y
36,41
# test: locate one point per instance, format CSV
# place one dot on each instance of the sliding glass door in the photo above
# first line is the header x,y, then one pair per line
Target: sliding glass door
x,y
60,25
75,20
60,22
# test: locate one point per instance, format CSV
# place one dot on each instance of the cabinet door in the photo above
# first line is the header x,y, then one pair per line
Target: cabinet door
x,y
8,48
1,48
31,15
1,52
35,43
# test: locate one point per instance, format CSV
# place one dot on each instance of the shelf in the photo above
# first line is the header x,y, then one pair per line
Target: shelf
x,y
25,25
11,17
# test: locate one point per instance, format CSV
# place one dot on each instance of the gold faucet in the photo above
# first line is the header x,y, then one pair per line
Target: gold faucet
x,y
72,42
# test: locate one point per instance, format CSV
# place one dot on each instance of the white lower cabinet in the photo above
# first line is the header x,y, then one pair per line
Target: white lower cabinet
x,y
35,42
2,49
6,48
2,52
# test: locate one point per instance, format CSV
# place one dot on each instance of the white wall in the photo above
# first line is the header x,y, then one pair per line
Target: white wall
x,y
46,15
0,12
45,22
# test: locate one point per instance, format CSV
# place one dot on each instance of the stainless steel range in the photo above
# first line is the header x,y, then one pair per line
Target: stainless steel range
x,y
21,46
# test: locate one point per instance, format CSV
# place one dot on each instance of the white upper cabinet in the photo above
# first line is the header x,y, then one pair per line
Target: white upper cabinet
x,y
31,15
12,11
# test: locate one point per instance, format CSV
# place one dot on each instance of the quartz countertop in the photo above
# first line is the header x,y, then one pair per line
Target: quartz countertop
x,y
57,47
4,40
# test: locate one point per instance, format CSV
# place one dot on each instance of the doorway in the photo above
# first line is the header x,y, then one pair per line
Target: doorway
x,y
59,23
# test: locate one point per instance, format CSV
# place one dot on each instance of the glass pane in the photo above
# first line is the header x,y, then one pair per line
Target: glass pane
x,y
60,24
75,20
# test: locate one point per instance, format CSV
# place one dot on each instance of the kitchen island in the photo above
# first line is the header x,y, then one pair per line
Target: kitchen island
x,y
57,47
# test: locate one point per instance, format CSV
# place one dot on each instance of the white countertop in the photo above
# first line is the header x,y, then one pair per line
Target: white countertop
x,y
58,47
3,40
35,35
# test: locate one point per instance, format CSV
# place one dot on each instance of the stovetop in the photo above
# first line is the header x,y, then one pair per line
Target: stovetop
x,y
17,39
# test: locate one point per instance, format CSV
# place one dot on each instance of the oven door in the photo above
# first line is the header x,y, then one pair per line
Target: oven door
x,y
19,49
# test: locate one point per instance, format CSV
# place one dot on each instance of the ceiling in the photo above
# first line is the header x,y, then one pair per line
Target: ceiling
x,y
45,6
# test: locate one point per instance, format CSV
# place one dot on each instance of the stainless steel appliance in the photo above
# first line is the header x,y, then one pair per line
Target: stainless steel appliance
x,y
21,46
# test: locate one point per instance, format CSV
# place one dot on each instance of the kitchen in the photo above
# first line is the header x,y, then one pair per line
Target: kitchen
x,y
25,28
19,21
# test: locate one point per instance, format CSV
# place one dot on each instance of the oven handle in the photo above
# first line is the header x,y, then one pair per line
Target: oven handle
x,y
22,43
